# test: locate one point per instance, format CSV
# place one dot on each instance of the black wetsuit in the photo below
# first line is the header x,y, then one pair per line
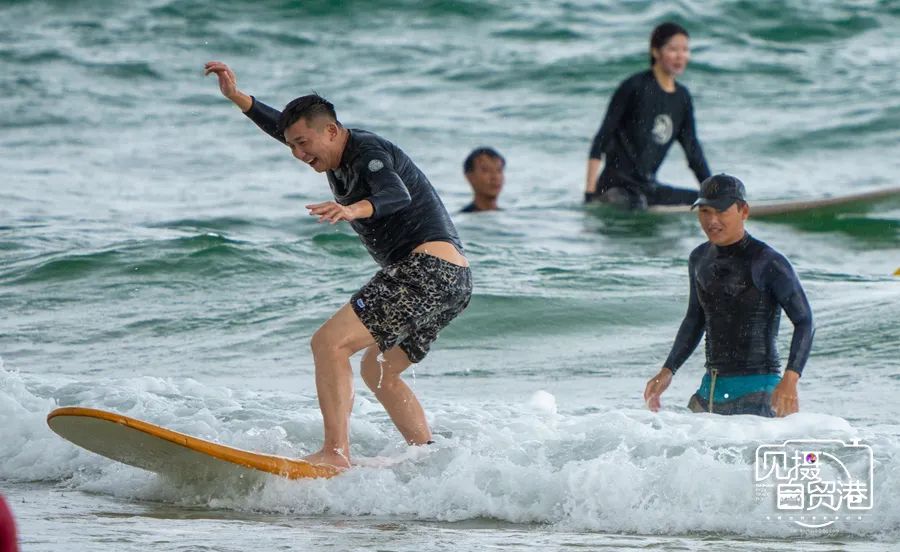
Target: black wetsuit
x,y
408,211
737,294
640,125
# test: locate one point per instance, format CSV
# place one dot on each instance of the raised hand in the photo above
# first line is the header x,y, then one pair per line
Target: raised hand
x,y
228,84
227,78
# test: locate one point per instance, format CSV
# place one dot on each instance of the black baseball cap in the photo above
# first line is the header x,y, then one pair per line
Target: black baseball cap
x,y
720,191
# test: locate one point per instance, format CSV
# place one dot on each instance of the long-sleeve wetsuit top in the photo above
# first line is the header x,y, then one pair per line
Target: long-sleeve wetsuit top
x,y
407,209
737,294
640,124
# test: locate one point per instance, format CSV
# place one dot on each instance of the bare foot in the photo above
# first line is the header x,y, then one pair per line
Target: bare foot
x,y
333,458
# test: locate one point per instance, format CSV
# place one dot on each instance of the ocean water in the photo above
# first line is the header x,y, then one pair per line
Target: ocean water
x,y
156,260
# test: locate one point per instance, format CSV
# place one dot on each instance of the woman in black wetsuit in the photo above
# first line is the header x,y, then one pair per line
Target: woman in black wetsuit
x,y
647,113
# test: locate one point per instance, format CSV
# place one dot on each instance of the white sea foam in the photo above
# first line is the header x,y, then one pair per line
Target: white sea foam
x,y
615,471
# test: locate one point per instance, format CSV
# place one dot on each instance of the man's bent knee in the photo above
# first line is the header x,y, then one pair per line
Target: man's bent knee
x,y
324,342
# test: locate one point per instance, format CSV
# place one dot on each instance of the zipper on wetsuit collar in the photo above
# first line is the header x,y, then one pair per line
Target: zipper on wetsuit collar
x,y
712,389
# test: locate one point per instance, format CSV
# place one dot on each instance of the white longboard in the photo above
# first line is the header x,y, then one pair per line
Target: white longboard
x,y
776,208
160,450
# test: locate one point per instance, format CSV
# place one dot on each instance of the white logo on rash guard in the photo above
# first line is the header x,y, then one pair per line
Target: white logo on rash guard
x,y
375,165
662,129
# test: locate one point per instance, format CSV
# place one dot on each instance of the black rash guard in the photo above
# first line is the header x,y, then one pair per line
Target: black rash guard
x,y
408,211
737,294
640,124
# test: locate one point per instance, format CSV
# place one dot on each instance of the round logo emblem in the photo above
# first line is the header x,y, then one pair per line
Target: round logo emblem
x,y
375,165
662,129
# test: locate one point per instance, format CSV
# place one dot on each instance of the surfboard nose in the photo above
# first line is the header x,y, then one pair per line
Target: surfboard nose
x,y
160,450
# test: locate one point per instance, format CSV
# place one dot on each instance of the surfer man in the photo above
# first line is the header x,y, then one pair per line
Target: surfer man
x,y
738,288
647,112
424,281
484,168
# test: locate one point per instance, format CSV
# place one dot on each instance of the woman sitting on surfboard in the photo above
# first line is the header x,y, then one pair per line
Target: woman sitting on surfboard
x,y
647,112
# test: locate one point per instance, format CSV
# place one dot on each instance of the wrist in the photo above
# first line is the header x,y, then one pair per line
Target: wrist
x,y
790,376
241,100
362,209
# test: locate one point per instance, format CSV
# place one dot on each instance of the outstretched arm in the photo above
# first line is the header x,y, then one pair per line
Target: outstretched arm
x,y
389,193
265,117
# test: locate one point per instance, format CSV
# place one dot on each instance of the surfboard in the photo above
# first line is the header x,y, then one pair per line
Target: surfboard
x,y
763,209
163,451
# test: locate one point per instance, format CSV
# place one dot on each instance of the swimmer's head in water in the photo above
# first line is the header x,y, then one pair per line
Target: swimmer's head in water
x,y
484,170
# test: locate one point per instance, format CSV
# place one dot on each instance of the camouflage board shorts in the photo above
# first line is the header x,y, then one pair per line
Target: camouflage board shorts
x,y
407,303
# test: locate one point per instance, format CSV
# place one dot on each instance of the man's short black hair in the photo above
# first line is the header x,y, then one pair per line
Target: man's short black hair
x,y
309,107
469,163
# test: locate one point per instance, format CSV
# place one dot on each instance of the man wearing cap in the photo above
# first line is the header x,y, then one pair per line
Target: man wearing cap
x,y
738,288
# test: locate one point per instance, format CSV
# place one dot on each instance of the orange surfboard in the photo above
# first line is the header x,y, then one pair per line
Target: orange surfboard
x,y
160,450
